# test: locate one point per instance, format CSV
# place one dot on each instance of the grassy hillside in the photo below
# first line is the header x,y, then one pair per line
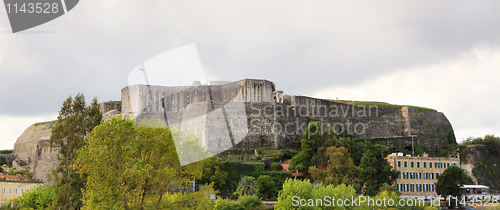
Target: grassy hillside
x,y
377,103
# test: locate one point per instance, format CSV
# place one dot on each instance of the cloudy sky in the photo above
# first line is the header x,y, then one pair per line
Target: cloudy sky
x,y
439,54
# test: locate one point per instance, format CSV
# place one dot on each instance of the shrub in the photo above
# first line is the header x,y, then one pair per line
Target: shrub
x,y
278,177
249,201
285,154
259,167
266,187
276,166
226,204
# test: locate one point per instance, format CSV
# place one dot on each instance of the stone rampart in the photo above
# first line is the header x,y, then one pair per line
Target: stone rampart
x,y
46,160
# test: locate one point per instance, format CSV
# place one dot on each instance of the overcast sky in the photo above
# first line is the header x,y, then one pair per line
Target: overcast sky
x,y
439,54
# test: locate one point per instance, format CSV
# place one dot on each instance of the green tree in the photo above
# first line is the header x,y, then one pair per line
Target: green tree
x,y
450,180
249,201
38,198
294,189
266,187
188,148
3,160
340,168
133,167
247,186
277,166
75,122
213,172
309,144
375,169
291,188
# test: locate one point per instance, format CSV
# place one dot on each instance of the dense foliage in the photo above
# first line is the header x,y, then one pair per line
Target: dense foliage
x,y
304,190
75,122
277,176
38,198
314,197
134,167
339,170
490,141
266,188
375,169
450,180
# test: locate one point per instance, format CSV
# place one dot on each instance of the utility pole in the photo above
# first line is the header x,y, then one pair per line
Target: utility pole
x,y
412,145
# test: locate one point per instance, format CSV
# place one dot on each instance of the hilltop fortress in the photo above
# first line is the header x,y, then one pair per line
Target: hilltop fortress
x,y
253,113
272,119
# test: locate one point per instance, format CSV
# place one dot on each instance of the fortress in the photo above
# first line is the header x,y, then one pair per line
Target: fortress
x,y
253,113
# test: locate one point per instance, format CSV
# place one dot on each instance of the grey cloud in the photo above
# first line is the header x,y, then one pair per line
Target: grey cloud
x,y
303,47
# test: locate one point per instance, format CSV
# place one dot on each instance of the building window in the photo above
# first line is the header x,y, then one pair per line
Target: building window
x,y
405,164
419,175
418,164
437,175
400,187
16,191
431,188
443,165
447,165
437,165
399,175
419,187
412,164
10,191
425,164
405,175
399,163
412,187
430,164
406,187
412,175
426,176
22,191
455,164
425,187
4,190
431,175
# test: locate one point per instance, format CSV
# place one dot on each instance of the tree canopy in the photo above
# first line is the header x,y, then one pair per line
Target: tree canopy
x,y
449,181
340,168
75,122
376,170
134,167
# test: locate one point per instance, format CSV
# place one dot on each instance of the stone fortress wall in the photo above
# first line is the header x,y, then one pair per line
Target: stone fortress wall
x,y
248,113
274,119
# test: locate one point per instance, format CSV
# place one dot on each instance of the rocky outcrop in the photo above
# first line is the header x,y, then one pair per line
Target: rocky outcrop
x,y
481,165
26,145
